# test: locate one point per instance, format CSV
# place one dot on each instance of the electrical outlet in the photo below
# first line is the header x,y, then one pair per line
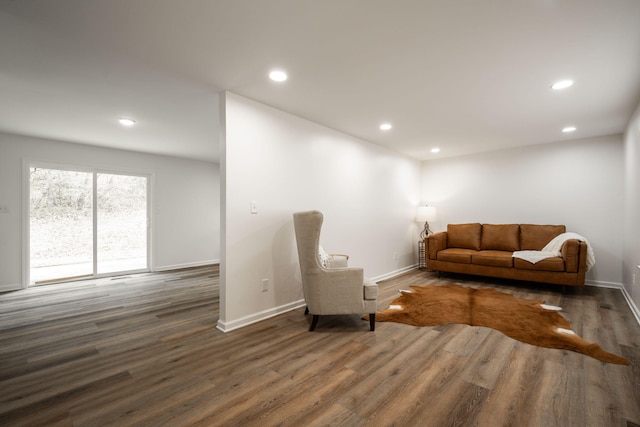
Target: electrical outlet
x,y
4,209
265,285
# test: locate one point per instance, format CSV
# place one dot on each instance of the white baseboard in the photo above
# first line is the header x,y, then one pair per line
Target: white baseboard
x,y
393,273
632,305
613,285
602,284
11,287
186,265
257,317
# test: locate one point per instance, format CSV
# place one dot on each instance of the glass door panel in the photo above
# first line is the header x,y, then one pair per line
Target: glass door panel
x,y
122,222
61,224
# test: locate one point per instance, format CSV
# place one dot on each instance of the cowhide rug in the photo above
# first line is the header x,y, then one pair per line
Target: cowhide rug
x,y
528,321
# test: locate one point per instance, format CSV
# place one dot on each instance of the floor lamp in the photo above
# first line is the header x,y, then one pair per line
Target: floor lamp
x,y
425,214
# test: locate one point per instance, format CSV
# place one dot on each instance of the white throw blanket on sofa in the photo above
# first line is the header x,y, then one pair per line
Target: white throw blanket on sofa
x,y
552,249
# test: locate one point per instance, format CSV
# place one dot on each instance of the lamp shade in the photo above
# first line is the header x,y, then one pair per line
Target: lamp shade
x,y
425,213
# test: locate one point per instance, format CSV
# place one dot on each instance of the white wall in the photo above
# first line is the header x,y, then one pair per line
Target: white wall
x,y
631,271
577,183
287,164
186,217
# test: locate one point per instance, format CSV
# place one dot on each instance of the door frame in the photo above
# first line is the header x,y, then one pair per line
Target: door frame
x,y
28,163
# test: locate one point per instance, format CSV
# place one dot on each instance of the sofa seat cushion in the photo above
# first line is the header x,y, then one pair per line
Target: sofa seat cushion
x,y
466,236
549,264
456,255
534,237
493,258
500,237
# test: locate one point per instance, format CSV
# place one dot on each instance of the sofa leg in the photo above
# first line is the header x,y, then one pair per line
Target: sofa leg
x,y
372,321
564,289
314,322
306,310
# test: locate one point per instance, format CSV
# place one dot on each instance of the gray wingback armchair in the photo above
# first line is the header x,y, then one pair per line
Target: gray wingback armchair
x,y
330,291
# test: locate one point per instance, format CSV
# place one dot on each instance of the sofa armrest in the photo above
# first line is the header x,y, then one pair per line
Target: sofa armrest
x,y
434,243
570,252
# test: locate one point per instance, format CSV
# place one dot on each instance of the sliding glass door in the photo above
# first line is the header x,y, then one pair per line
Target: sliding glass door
x,y
84,224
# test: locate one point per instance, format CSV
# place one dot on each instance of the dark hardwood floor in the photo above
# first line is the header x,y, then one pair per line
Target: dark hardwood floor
x,y
143,350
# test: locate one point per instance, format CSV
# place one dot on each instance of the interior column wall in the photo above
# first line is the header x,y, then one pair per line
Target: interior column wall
x,y
631,265
286,164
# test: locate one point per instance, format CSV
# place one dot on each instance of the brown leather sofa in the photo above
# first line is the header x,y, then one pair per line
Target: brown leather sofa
x,y
487,249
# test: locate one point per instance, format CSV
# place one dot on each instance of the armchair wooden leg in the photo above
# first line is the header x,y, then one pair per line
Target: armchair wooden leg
x,y
306,310
314,322
372,321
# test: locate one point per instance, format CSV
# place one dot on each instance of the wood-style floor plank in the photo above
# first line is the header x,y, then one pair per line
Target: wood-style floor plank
x,y
143,350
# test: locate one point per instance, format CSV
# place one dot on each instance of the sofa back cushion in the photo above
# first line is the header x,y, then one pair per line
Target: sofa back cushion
x,y
465,236
500,237
535,237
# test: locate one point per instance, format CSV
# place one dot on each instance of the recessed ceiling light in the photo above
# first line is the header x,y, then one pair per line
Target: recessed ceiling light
x,y
562,84
278,76
435,150
568,129
385,126
126,122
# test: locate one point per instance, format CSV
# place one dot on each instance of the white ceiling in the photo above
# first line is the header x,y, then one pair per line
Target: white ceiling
x,y
464,75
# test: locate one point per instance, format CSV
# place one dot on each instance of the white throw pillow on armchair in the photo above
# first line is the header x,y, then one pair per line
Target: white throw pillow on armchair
x,y
323,257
